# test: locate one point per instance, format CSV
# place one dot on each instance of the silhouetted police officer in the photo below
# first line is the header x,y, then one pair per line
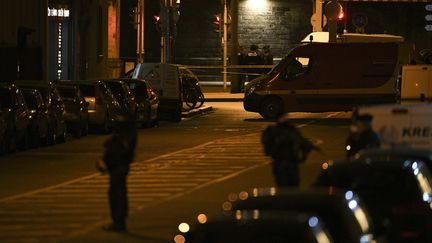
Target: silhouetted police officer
x,y
118,155
363,137
288,148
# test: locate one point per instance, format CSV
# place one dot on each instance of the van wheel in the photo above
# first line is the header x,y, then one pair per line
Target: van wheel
x,y
271,108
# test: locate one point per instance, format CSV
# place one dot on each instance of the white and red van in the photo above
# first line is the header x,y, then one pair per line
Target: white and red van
x,y
320,77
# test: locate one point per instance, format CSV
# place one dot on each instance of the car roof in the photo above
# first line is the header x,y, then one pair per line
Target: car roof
x,y
128,80
327,202
359,165
6,85
423,153
80,82
33,83
252,223
385,177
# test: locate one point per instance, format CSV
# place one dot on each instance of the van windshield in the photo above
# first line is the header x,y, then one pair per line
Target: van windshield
x,y
279,66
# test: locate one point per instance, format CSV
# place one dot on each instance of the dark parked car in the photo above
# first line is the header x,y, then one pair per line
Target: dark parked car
x,y
390,154
398,194
77,116
16,115
256,226
39,119
146,99
55,106
341,211
2,133
102,107
123,94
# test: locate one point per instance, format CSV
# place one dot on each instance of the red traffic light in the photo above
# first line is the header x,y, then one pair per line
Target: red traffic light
x,y
157,18
341,15
218,18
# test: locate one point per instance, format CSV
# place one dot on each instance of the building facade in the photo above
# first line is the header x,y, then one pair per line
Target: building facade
x,y
60,39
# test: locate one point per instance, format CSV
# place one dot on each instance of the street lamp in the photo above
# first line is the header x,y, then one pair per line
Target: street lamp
x,y
257,5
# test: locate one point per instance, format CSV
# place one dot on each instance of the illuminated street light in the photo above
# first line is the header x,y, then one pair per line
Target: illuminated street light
x,y
257,5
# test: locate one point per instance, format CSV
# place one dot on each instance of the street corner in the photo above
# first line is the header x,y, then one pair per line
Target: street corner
x,y
206,109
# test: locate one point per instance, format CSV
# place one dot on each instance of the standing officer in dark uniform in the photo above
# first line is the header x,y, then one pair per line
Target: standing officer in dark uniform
x,y
288,148
363,137
118,155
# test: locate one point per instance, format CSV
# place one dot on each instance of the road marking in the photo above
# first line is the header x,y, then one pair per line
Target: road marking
x,y
151,182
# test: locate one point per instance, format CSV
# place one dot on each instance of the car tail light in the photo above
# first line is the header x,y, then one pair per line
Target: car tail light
x,y
409,234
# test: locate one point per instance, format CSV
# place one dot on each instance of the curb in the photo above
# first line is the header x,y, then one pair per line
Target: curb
x,y
223,99
195,112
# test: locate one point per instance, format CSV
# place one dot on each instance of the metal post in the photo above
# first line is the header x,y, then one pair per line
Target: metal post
x,y
332,10
225,45
140,31
235,84
167,39
168,31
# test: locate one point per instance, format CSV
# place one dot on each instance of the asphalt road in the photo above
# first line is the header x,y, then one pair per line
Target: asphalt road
x,y
54,194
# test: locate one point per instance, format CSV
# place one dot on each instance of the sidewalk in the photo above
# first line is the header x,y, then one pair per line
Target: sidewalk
x,y
217,94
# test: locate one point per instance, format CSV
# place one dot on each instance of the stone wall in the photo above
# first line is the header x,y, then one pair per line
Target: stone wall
x,y
279,24
405,19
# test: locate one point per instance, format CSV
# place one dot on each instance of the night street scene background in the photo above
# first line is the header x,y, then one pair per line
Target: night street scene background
x,y
258,121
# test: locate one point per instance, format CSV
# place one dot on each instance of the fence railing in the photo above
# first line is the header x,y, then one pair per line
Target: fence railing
x,y
213,74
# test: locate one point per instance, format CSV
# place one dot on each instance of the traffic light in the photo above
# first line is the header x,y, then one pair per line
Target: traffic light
x,y
340,23
218,24
157,22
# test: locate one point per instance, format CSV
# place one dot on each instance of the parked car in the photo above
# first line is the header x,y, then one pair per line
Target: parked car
x,y
2,133
39,118
16,114
345,221
398,194
123,94
55,106
255,226
102,107
77,115
146,99
390,154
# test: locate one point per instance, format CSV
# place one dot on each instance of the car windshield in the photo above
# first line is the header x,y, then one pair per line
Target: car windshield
x,y
30,99
116,88
138,89
5,98
67,94
395,185
88,90
44,92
